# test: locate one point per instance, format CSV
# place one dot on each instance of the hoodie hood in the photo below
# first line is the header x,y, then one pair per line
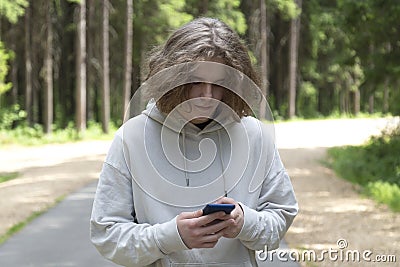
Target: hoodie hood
x,y
191,136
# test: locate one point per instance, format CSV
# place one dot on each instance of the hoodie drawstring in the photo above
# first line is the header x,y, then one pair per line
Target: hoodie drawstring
x,y
220,158
222,162
184,157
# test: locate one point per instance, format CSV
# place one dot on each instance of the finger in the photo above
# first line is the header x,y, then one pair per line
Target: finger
x,y
235,213
191,214
225,200
208,241
218,201
211,238
217,227
206,219
229,216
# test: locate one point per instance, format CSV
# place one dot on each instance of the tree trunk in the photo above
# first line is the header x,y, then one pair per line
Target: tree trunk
x,y
48,104
105,114
371,104
264,58
203,7
347,96
14,70
128,58
356,101
342,103
386,96
81,69
91,41
385,108
28,67
279,70
293,59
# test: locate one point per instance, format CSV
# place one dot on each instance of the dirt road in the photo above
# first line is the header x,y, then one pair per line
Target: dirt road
x,y
330,208
332,212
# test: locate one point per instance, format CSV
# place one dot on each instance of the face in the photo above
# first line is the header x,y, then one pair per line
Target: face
x,y
203,99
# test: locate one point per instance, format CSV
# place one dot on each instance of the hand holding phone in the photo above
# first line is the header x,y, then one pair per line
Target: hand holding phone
x,y
211,208
199,231
227,205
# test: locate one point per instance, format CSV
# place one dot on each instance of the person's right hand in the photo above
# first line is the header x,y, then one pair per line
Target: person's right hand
x,y
199,231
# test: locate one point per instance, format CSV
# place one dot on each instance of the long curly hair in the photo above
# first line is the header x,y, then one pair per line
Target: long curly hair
x,y
200,40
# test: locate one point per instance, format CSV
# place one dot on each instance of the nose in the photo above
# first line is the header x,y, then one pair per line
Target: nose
x,y
206,90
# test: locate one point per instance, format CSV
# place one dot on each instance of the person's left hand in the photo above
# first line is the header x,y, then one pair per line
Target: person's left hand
x,y
237,215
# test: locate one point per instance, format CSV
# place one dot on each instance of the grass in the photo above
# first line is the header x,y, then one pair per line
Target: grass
x,y
386,193
333,116
375,166
4,177
31,136
19,226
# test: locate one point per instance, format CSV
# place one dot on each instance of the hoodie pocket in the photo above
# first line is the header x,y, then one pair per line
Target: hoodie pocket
x,y
228,252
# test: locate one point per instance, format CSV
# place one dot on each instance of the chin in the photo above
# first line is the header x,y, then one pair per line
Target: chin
x,y
199,120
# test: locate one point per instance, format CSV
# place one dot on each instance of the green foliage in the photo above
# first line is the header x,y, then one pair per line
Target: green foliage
x,y
375,166
308,100
11,116
75,1
171,11
4,57
12,9
329,62
154,19
288,8
226,10
376,45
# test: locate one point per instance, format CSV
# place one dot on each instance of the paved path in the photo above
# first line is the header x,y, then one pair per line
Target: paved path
x,y
60,237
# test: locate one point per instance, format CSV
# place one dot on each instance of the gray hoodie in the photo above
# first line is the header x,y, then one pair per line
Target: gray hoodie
x,y
157,168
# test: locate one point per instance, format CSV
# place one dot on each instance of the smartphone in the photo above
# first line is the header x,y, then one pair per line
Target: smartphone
x,y
211,208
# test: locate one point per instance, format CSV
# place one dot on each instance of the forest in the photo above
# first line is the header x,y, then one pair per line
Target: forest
x,y
76,62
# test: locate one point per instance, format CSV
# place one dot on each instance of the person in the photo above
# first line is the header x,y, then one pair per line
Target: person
x,y
196,142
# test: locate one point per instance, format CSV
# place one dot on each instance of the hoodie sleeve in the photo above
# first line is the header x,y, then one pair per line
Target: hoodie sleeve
x,y
266,225
113,226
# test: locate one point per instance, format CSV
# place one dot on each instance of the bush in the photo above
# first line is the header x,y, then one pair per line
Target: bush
x,y
375,166
10,117
307,100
